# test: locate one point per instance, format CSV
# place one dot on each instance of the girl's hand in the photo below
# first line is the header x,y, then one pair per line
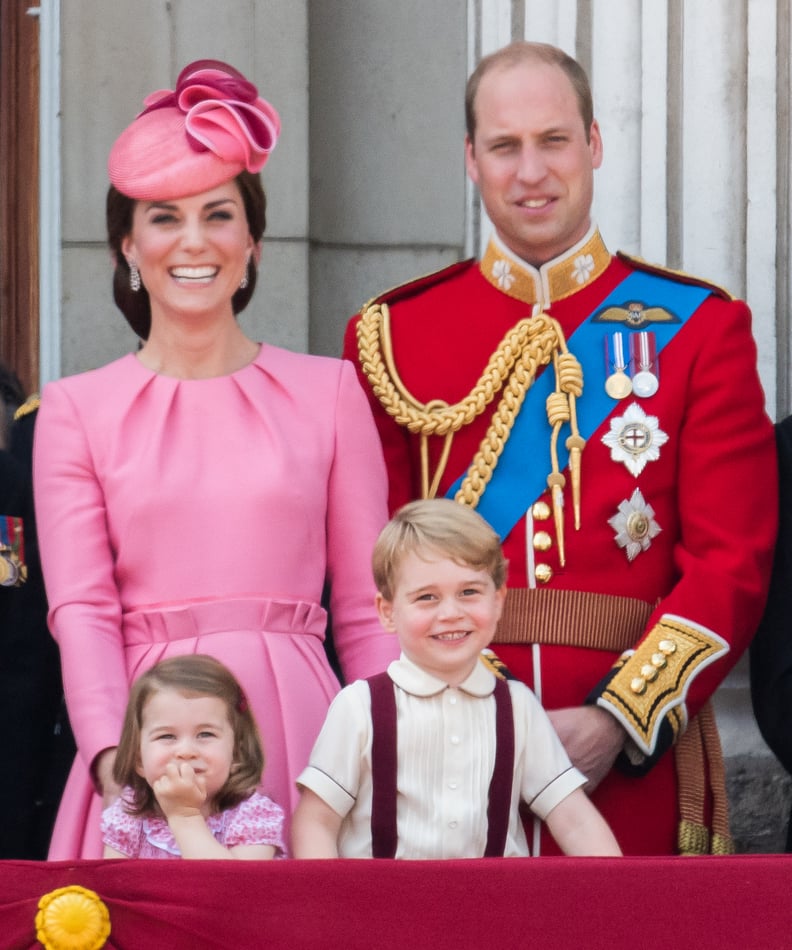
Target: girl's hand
x,y
180,792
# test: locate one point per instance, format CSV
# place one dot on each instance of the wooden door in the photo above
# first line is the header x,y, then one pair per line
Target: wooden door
x,y
19,191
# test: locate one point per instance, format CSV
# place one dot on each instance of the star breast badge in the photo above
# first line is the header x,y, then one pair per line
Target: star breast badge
x,y
635,439
635,525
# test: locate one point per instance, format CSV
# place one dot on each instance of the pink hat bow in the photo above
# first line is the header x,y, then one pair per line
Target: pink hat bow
x,y
223,113
209,128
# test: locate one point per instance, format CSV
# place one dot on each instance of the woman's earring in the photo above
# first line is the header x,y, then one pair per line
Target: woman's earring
x,y
134,277
245,281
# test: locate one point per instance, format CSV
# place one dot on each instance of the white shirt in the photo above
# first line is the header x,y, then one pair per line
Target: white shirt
x,y
446,756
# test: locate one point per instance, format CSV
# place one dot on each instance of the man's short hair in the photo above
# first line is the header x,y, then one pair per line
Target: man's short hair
x,y
522,51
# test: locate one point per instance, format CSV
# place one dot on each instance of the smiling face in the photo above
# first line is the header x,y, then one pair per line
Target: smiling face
x,y
444,613
184,728
192,253
531,159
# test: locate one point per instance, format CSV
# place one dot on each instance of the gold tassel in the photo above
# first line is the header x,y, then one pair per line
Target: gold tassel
x,y
575,444
556,482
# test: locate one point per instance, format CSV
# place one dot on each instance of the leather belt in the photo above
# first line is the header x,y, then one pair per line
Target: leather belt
x,y
572,618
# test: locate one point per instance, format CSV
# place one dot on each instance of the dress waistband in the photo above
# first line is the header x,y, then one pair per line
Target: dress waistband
x,y
187,621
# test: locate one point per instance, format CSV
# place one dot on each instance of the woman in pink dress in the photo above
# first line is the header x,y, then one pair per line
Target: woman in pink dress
x,y
200,495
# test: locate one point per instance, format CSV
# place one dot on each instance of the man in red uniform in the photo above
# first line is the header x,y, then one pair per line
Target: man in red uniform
x,y
607,418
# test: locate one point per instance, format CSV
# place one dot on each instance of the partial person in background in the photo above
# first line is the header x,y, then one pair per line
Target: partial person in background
x,y
771,649
197,495
39,745
12,395
606,416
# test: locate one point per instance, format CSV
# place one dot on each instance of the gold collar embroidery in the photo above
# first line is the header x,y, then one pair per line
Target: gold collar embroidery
x,y
557,279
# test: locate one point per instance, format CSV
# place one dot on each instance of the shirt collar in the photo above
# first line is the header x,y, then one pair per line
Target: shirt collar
x,y
416,681
559,278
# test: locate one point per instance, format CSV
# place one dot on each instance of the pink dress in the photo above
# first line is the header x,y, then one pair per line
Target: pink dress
x,y
257,820
205,516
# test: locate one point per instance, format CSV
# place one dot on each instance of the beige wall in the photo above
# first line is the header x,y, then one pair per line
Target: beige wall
x,y
387,127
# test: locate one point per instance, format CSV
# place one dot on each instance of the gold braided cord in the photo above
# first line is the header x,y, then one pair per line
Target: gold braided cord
x,y
376,359
531,343
538,351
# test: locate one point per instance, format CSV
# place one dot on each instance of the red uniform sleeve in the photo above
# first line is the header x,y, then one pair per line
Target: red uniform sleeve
x,y
726,520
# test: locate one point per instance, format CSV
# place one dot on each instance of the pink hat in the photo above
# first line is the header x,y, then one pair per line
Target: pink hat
x,y
192,139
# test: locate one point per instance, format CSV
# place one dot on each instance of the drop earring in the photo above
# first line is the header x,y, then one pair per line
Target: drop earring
x,y
245,281
134,277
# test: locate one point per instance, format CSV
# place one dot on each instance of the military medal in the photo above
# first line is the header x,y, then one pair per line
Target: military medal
x,y
9,571
617,384
13,570
644,354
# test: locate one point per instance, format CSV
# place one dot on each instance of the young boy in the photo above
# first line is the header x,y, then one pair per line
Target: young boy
x,y
433,759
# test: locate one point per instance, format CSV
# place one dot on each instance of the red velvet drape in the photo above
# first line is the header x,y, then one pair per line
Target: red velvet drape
x,y
549,903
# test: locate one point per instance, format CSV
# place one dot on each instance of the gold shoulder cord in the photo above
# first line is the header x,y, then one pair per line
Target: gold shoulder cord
x,y
529,344
29,405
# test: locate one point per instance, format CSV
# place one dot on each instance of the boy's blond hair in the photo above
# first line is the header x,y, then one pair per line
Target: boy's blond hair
x,y
440,526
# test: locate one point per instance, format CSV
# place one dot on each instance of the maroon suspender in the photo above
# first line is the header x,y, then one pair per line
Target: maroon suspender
x,y
500,787
384,767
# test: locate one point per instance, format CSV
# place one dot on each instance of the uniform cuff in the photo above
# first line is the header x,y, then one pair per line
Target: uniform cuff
x,y
650,684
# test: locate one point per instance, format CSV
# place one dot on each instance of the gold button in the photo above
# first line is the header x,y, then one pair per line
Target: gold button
x,y
667,646
542,541
649,672
658,660
541,511
544,573
638,685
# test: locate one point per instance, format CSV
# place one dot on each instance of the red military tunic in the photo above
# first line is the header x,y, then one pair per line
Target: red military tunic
x,y
709,486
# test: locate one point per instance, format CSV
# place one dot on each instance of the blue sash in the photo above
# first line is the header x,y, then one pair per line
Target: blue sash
x,y
520,476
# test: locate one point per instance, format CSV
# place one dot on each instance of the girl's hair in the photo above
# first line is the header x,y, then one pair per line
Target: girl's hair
x,y
442,526
135,305
192,675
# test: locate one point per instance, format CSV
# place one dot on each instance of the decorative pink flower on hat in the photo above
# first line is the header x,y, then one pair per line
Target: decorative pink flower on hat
x,y
191,139
223,113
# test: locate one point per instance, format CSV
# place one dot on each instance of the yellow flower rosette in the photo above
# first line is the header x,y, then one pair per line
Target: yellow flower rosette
x,y
72,918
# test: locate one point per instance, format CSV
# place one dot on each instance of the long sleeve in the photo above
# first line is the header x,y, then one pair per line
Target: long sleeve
x,y
356,513
78,565
720,513
403,478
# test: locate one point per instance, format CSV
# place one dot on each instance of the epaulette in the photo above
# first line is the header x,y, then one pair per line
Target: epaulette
x,y
31,404
402,291
640,264
495,664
